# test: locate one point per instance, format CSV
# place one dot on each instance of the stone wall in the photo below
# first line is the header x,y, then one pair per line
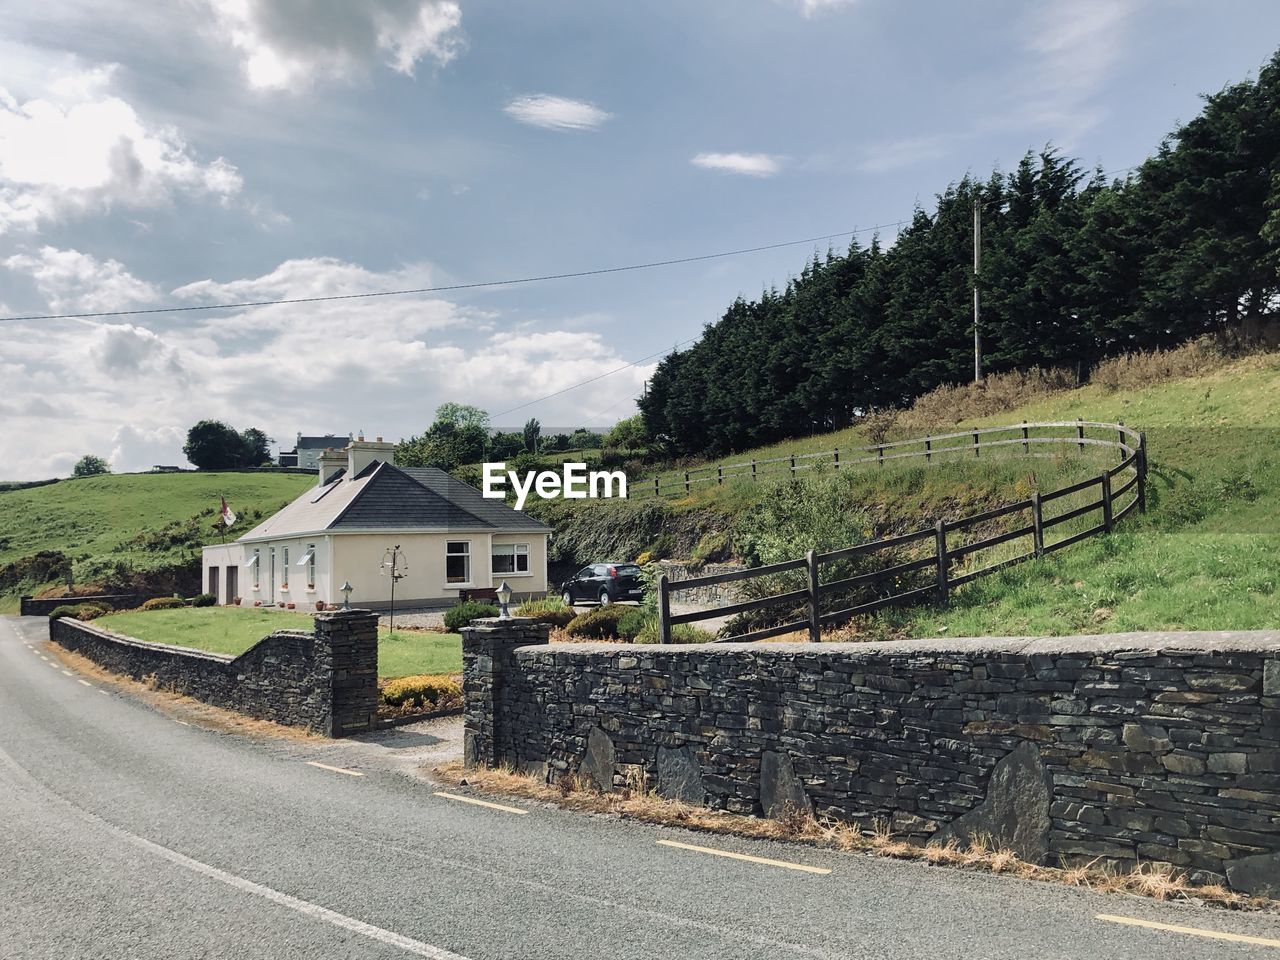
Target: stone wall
x,y
717,594
1123,748
326,680
31,607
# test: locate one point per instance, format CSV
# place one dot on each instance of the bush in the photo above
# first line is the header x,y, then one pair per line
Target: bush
x,y
423,692
598,624
66,610
163,603
551,610
458,617
204,600
633,623
80,611
639,625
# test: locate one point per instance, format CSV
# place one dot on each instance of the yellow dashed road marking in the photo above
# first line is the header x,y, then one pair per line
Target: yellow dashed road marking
x,y
481,803
86,683
67,673
325,766
1189,931
745,857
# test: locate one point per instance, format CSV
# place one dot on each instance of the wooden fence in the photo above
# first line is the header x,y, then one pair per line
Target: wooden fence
x,y
1121,489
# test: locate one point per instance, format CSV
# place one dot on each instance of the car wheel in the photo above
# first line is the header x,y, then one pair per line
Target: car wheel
x,y
567,597
605,599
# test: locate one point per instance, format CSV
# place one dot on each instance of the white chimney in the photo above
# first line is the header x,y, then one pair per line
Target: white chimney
x,y
362,452
330,461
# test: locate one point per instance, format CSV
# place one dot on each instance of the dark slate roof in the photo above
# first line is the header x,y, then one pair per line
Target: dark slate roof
x,y
493,513
322,443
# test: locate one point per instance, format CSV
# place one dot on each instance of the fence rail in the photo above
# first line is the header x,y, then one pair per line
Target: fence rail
x,y
961,445
1111,504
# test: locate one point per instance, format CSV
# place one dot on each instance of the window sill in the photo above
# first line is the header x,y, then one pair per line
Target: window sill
x,y
497,575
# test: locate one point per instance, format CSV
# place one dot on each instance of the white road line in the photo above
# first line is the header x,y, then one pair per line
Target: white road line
x,y
68,673
304,907
481,803
86,683
765,861
183,722
44,658
325,766
103,692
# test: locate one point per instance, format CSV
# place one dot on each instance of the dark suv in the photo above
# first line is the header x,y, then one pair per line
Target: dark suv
x,y
604,583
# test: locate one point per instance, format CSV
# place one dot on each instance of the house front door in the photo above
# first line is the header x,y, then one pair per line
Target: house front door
x,y
233,584
213,582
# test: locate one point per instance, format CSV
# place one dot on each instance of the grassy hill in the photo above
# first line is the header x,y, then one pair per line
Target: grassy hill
x,y
139,522
1202,558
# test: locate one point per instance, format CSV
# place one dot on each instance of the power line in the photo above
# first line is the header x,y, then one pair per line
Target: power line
x,y
446,288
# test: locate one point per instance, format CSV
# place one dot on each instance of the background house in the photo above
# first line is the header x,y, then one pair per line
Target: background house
x,y
450,538
306,452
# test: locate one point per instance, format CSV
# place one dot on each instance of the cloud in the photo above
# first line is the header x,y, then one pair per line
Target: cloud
x,y
288,46
811,8
73,281
77,149
378,365
747,164
556,113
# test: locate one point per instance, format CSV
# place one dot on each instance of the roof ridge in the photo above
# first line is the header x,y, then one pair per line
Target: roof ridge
x,y
453,504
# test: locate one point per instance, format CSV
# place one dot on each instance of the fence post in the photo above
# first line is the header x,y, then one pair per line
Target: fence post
x,y
793,465
1142,473
815,634
975,444
928,450
1106,501
656,491
880,455
944,561
664,609
753,469
1037,525
1026,447
1080,431
686,481
837,458
719,474
1120,432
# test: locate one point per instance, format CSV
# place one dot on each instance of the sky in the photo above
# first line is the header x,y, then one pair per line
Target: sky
x,y
219,151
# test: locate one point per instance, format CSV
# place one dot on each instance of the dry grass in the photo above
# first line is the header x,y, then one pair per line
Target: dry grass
x,y
1159,881
177,706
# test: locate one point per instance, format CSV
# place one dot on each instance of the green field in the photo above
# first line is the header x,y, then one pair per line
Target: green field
x,y
233,630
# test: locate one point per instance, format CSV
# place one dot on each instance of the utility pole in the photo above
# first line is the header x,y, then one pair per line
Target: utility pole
x,y
977,265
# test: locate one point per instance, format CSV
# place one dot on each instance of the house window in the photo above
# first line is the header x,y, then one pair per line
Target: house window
x,y
256,567
271,571
308,560
284,569
457,561
510,558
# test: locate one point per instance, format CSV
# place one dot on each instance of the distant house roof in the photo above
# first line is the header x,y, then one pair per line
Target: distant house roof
x,y
322,443
384,497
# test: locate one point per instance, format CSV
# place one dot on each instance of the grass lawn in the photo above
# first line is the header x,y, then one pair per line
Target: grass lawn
x,y
233,630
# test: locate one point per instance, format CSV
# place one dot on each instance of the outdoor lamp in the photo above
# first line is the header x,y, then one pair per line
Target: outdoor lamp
x,y
346,589
504,598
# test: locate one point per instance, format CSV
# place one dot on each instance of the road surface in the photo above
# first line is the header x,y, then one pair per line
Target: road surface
x,y
125,833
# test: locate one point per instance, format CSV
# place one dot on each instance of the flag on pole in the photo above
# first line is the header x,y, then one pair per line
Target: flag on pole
x,y
228,517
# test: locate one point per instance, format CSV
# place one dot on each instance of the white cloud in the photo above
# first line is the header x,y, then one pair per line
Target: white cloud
x,y
380,365
748,164
556,113
811,8
77,149
71,280
288,46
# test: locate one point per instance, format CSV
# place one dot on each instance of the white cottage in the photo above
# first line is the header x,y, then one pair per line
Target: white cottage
x,y
450,538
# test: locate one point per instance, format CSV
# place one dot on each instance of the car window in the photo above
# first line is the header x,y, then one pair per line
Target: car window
x,y
584,573
628,570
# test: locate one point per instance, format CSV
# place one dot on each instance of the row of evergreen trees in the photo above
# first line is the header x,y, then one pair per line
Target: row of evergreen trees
x,y
1074,268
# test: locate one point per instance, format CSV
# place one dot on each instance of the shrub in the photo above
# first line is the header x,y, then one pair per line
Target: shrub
x,y
204,600
80,611
633,623
639,625
551,610
163,603
598,624
458,617
713,546
423,692
66,610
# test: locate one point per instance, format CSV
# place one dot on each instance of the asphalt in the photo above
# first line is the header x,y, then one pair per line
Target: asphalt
x,y
125,834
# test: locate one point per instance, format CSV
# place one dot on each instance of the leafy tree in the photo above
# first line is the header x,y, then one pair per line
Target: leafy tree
x,y
90,466
462,416
532,431
584,439
459,435
257,447
627,434
504,446
213,445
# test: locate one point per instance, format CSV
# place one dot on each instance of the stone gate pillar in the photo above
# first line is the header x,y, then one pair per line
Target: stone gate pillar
x,y
487,665
346,649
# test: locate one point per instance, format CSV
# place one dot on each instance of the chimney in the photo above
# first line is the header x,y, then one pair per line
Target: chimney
x,y
331,461
362,452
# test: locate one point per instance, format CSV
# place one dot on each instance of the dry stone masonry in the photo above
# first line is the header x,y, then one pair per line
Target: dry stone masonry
x,y
1123,748
325,680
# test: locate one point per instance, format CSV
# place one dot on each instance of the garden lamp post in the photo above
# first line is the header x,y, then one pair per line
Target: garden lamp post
x,y
504,598
346,589
394,566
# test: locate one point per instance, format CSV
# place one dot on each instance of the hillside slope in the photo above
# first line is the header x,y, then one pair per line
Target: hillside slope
x,y
135,522
1202,558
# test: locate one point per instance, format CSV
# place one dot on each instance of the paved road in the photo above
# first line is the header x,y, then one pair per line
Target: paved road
x,y
126,834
